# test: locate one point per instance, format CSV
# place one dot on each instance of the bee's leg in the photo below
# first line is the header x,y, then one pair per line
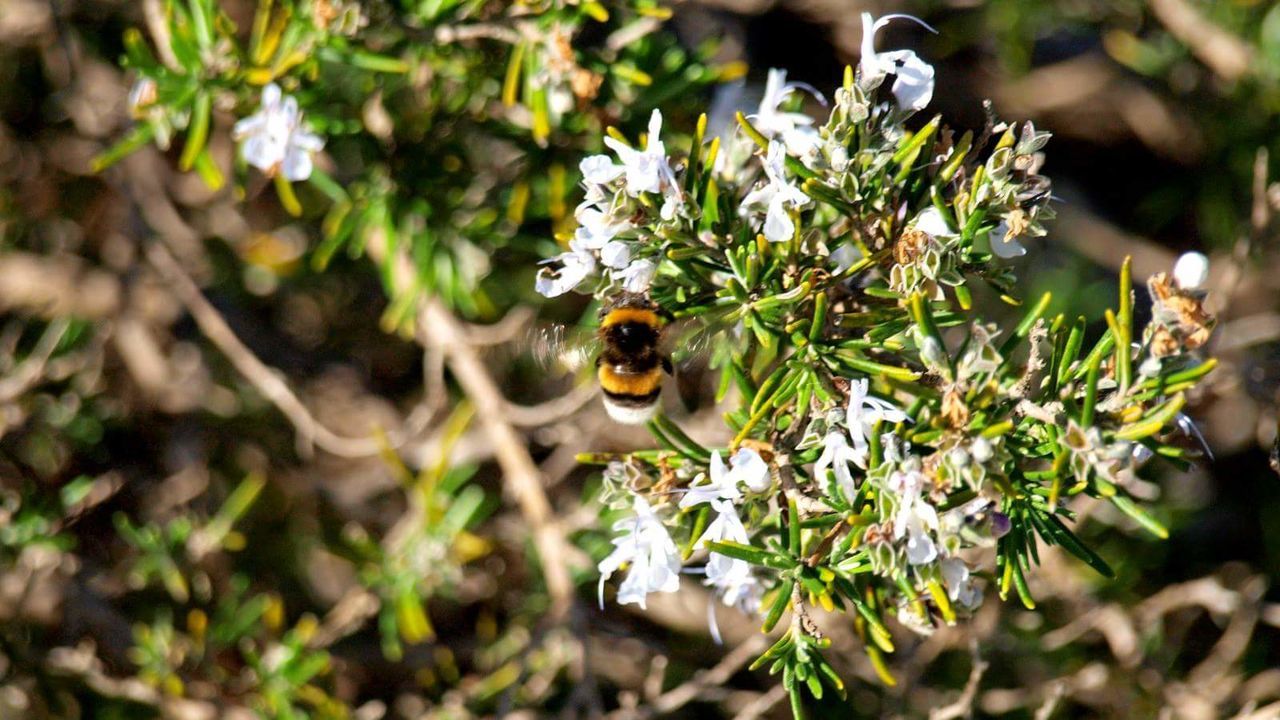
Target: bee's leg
x,y
666,365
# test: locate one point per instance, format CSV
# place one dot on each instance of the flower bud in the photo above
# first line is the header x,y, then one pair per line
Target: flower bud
x,y
839,158
982,450
932,353
1000,525
1191,270
1141,453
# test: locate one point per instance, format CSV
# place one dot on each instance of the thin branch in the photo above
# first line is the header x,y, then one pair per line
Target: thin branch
x,y
513,324
1056,691
1246,332
963,705
1035,361
29,373
158,26
264,378
347,616
690,690
552,410
1229,57
763,704
825,544
440,329
450,34
1232,279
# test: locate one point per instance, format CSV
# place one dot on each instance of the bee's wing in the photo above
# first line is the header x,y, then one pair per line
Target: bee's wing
x,y
690,340
689,343
557,347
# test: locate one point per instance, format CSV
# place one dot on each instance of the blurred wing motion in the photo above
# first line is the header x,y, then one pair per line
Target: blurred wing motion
x,y
631,349
560,348
689,343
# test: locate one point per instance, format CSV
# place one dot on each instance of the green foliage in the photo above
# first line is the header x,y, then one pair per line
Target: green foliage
x,y
886,453
880,427
430,146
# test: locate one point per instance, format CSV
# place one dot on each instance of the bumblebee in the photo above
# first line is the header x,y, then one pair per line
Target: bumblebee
x,y
630,364
632,344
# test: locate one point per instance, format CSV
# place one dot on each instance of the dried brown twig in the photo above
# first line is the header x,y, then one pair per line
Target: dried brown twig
x,y
27,374
439,331
763,704
265,379
552,410
1226,55
690,690
962,707
439,328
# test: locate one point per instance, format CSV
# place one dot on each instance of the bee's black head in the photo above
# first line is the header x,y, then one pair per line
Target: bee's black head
x,y
632,337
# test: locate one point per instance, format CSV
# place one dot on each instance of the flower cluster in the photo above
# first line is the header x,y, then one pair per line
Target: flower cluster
x,y
606,238
646,545
892,454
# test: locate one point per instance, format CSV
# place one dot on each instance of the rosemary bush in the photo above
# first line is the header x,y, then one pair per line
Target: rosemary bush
x,y
893,449
881,429
433,155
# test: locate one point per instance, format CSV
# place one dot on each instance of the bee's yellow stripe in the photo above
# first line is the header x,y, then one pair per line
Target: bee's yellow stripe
x,y
639,384
622,315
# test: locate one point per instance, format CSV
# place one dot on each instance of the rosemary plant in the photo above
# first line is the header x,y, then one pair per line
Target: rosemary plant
x,y
882,432
425,150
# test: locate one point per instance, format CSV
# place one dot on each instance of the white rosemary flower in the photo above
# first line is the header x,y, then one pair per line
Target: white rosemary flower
x,y
959,582
637,275
862,415
1004,243
914,517
274,139
740,588
795,130
614,254
596,227
931,222
599,169
778,196
593,244
731,578
649,550
576,265
745,467
837,454
1191,271
726,526
748,468
646,170
982,450
913,77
